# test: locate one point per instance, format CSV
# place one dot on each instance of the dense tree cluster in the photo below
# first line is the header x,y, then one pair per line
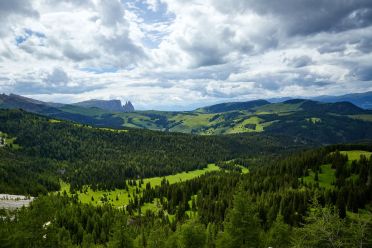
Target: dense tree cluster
x,y
20,174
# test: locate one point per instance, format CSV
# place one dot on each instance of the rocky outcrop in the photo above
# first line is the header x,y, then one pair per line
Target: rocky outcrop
x,y
128,107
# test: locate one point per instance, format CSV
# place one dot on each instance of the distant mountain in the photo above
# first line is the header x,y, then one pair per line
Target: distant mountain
x,y
341,108
362,100
31,105
229,106
109,105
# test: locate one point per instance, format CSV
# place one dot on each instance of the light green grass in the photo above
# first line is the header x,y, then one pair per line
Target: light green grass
x,y
326,177
179,177
54,121
241,127
194,120
245,170
87,193
314,120
362,117
355,155
9,141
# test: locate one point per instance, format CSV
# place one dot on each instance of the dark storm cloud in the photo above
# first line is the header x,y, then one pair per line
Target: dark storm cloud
x,y
16,7
332,48
12,9
362,73
365,45
303,17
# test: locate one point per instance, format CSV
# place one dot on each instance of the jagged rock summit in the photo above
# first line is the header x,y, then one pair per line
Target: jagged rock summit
x,y
128,107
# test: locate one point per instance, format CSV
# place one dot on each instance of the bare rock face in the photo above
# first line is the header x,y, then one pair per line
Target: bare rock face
x,y
128,107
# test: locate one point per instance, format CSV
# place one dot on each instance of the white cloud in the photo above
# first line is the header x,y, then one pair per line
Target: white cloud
x,y
179,54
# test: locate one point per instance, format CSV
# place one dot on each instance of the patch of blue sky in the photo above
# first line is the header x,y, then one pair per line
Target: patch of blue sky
x,y
149,15
100,70
152,39
27,34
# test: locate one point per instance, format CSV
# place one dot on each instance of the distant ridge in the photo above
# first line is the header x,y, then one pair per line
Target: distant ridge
x,y
342,108
109,105
230,106
362,100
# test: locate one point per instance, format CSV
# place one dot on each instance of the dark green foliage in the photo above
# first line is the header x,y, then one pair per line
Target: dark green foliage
x,y
20,174
242,227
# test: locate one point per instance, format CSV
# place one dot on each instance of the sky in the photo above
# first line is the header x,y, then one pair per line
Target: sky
x,y
182,54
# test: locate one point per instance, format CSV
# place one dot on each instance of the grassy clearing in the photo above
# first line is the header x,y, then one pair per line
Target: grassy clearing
x,y
8,141
54,121
355,155
252,124
362,117
326,177
121,197
314,120
179,177
194,120
245,170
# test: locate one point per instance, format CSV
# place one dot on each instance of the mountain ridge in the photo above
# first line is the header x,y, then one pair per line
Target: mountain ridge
x,y
301,118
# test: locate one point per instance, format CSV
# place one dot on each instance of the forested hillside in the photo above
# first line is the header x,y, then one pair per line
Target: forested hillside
x,y
104,157
272,206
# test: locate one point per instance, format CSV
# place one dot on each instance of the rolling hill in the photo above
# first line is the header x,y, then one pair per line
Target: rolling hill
x,y
303,119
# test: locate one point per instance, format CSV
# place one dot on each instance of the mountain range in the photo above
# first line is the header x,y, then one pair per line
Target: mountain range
x,y
312,121
362,100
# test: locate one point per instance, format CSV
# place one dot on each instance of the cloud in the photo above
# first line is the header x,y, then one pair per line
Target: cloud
x,y
176,53
302,17
13,11
300,61
47,82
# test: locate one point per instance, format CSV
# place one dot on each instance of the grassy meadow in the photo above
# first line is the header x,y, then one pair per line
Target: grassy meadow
x,y
121,197
326,176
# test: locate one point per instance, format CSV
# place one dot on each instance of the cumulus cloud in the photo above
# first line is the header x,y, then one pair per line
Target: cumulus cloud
x,y
168,53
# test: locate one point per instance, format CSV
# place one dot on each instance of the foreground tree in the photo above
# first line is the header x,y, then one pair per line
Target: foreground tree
x,y
242,227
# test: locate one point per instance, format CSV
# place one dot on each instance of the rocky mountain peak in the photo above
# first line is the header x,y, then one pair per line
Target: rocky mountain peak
x,y
128,107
